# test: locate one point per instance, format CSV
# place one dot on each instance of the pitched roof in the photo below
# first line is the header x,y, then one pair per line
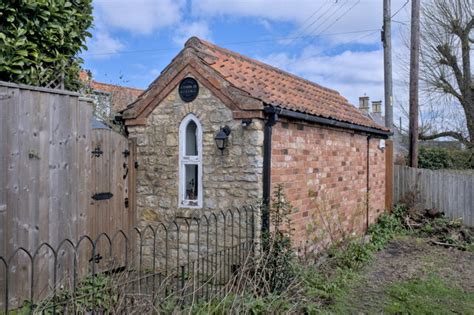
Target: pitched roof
x,y
121,96
264,83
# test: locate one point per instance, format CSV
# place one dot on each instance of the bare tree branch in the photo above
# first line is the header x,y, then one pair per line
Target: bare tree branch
x,y
452,134
445,60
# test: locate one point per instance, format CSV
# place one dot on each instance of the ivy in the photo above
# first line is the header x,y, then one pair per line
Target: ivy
x,y
40,40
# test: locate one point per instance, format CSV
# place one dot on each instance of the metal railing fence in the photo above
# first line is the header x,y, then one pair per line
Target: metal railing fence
x,y
179,262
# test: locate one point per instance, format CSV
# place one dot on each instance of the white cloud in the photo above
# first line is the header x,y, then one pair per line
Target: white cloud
x,y
312,17
352,74
187,30
103,45
140,16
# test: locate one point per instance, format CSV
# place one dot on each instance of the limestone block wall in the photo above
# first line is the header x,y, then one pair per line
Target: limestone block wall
x,y
229,180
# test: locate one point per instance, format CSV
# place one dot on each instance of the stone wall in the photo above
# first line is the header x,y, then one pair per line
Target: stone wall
x,y
229,180
324,175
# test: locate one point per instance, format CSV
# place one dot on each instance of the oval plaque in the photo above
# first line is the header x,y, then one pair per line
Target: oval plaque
x,y
188,89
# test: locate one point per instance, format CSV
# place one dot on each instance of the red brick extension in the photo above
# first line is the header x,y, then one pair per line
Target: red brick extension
x,y
324,175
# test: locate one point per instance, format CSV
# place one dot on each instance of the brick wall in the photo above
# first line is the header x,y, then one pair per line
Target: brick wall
x,y
324,175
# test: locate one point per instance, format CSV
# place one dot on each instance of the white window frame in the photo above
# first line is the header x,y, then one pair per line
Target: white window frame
x,y
189,160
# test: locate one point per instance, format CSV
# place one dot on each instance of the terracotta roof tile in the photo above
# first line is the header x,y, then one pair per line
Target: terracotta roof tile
x,y
120,96
279,88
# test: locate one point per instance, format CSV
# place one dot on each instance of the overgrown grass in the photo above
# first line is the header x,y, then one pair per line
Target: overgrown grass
x,y
278,281
327,287
428,296
314,290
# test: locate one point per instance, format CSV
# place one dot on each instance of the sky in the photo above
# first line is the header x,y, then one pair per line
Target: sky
x,y
335,43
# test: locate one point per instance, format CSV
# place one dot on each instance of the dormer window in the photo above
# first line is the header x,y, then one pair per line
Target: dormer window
x,y
190,163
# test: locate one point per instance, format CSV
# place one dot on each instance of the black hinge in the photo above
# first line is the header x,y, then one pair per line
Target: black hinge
x,y
97,151
125,166
126,153
102,196
136,164
126,202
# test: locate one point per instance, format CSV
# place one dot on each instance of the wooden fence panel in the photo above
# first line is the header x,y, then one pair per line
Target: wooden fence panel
x,y
446,190
47,179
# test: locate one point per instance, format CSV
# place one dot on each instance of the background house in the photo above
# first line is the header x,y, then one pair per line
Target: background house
x,y
109,99
400,136
281,129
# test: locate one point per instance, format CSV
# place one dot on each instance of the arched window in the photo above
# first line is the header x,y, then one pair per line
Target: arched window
x,y
190,163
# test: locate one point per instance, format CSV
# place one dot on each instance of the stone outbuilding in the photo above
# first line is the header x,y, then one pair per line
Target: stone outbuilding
x,y
217,130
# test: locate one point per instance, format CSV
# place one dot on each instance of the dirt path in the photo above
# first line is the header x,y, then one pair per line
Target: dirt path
x,y
408,259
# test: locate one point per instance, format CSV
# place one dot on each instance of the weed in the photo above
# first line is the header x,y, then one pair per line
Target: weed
x,y
92,293
428,296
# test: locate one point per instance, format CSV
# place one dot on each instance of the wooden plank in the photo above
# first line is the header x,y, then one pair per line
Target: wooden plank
x,y
389,175
3,170
471,201
13,185
132,180
34,159
43,266
84,181
112,218
23,211
5,151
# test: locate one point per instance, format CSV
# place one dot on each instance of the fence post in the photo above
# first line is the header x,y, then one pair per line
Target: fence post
x,y
389,175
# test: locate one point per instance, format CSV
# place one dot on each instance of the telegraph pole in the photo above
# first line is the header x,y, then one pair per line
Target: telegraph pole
x,y
414,74
387,58
387,72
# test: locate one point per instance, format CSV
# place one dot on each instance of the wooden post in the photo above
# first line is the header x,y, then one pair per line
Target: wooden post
x,y
389,175
132,196
414,73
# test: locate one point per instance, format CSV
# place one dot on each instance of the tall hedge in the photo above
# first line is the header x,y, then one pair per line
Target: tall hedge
x,y
40,40
443,158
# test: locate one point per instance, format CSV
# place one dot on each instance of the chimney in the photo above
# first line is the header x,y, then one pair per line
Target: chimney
x,y
364,104
377,107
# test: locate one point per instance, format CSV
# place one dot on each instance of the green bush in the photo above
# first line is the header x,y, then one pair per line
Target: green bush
x,y
39,40
278,257
387,226
442,158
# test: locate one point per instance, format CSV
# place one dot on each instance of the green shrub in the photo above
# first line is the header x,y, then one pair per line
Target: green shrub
x,y
442,158
388,225
92,293
278,255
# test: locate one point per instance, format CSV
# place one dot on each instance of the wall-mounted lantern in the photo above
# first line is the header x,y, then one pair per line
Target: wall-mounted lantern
x,y
222,138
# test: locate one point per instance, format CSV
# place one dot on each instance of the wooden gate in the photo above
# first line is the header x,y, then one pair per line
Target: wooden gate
x,y
50,171
111,217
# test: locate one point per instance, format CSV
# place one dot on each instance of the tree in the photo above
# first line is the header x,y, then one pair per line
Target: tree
x,y
40,41
445,61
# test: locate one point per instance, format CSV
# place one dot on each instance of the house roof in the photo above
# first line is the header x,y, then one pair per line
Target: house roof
x,y
120,96
256,82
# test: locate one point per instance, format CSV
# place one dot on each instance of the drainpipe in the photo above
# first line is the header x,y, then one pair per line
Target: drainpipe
x,y
368,180
267,165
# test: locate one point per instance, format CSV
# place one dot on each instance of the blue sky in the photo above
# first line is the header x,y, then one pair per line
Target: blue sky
x,y
333,43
